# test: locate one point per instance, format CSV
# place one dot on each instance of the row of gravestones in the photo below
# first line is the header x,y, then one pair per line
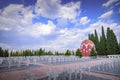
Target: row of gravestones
x,y
112,66
45,59
108,66
114,56
19,61
14,61
78,73
10,62
62,59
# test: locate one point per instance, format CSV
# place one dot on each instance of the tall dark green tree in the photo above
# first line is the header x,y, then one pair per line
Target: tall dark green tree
x,y
96,42
1,52
112,44
91,37
103,43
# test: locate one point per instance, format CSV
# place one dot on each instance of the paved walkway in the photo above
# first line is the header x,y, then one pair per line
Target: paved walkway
x,y
41,72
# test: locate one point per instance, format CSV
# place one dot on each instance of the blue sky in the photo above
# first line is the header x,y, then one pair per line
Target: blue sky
x,y
55,25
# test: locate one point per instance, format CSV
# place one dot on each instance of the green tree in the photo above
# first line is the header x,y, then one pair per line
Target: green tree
x,y
49,53
93,53
68,53
96,42
103,43
91,37
6,53
27,53
78,53
112,44
57,53
1,52
40,52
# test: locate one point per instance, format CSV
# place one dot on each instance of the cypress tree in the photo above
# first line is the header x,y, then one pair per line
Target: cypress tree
x,y
91,37
108,41
103,42
115,43
112,44
96,42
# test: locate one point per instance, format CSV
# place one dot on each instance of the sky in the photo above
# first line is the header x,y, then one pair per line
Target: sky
x,y
55,25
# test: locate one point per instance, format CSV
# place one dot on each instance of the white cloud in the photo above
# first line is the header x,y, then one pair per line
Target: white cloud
x,y
47,8
54,9
109,2
15,15
5,28
69,10
84,20
66,39
18,18
62,22
106,14
38,29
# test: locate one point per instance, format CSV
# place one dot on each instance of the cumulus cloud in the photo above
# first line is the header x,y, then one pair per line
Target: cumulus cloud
x,y
19,18
106,14
109,2
54,9
84,20
38,29
62,22
15,15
